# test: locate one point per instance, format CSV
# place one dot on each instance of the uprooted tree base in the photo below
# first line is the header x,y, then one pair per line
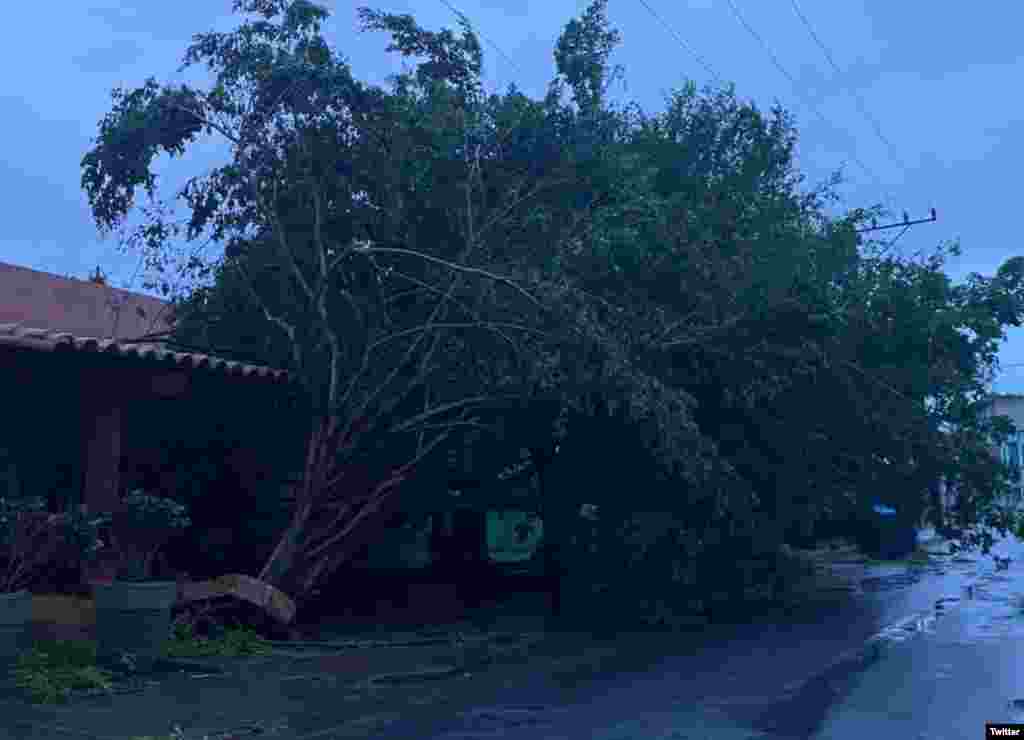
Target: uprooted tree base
x,y
211,618
235,598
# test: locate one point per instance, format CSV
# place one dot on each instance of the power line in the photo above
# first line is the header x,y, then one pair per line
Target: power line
x,y
462,16
682,42
465,19
796,86
857,97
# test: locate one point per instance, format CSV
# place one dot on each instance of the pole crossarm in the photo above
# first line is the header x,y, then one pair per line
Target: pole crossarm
x,y
905,222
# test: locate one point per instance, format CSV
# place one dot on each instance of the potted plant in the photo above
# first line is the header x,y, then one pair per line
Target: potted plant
x,y
32,540
133,612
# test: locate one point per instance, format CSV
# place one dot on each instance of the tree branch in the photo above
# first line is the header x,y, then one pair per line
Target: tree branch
x,y
498,218
280,322
455,325
372,397
412,422
373,503
452,266
470,311
206,121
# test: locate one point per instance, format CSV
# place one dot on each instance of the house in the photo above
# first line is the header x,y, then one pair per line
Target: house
x,y
1010,453
88,377
100,396
1010,405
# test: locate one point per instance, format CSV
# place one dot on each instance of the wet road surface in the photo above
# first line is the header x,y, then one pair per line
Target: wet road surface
x,y
838,670
962,671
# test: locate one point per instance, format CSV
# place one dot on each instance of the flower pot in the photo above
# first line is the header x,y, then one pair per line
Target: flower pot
x,y
15,615
133,621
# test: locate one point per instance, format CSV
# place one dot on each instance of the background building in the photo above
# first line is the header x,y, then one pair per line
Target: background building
x,y
1010,452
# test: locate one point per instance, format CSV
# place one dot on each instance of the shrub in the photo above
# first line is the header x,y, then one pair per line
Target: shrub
x,y
51,671
35,543
144,525
233,642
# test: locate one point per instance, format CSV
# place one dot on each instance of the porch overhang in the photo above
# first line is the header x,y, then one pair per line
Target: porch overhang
x,y
111,374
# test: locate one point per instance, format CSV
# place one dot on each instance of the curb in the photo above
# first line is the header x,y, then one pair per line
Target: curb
x,y
499,638
424,675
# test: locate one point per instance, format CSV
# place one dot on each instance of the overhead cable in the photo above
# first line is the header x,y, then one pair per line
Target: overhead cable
x,y
682,42
862,106
796,86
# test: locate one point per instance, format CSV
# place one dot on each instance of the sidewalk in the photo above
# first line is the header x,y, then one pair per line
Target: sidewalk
x,y
512,686
307,691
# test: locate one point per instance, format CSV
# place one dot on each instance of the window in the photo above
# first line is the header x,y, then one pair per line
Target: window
x,y
1010,451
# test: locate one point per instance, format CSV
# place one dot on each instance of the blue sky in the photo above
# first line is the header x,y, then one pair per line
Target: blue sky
x,y
939,78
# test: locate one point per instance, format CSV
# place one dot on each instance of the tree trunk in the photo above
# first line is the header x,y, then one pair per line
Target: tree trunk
x,y
337,513
292,570
320,539
284,561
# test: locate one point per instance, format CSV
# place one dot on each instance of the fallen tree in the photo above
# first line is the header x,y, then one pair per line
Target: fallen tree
x,y
419,253
396,329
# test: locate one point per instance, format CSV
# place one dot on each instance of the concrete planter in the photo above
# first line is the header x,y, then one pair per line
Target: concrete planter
x,y
133,621
63,617
15,616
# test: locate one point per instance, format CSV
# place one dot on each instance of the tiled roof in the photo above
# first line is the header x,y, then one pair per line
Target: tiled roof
x,y
46,340
47,312
80,307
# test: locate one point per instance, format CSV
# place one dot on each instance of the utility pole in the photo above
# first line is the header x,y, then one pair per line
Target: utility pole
x,y
904,223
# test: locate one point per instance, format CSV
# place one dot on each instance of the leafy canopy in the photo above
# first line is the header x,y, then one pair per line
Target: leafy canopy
x,y
425,256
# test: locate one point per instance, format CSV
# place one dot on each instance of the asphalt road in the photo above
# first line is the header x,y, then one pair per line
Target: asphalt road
x,y
959,673
912,656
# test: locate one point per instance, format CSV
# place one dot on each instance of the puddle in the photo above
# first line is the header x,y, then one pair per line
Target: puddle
x,y
1000,579
497,720
993,611
358,727
1016,707
905,629
424,675
890,581
985,596
165,667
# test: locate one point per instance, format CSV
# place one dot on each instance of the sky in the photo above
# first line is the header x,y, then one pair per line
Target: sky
x,y
937,78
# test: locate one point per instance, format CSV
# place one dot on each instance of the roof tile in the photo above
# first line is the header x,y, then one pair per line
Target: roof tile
x,y
47,340
46,312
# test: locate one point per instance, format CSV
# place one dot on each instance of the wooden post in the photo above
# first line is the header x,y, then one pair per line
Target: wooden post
x,y
101,462
102,459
